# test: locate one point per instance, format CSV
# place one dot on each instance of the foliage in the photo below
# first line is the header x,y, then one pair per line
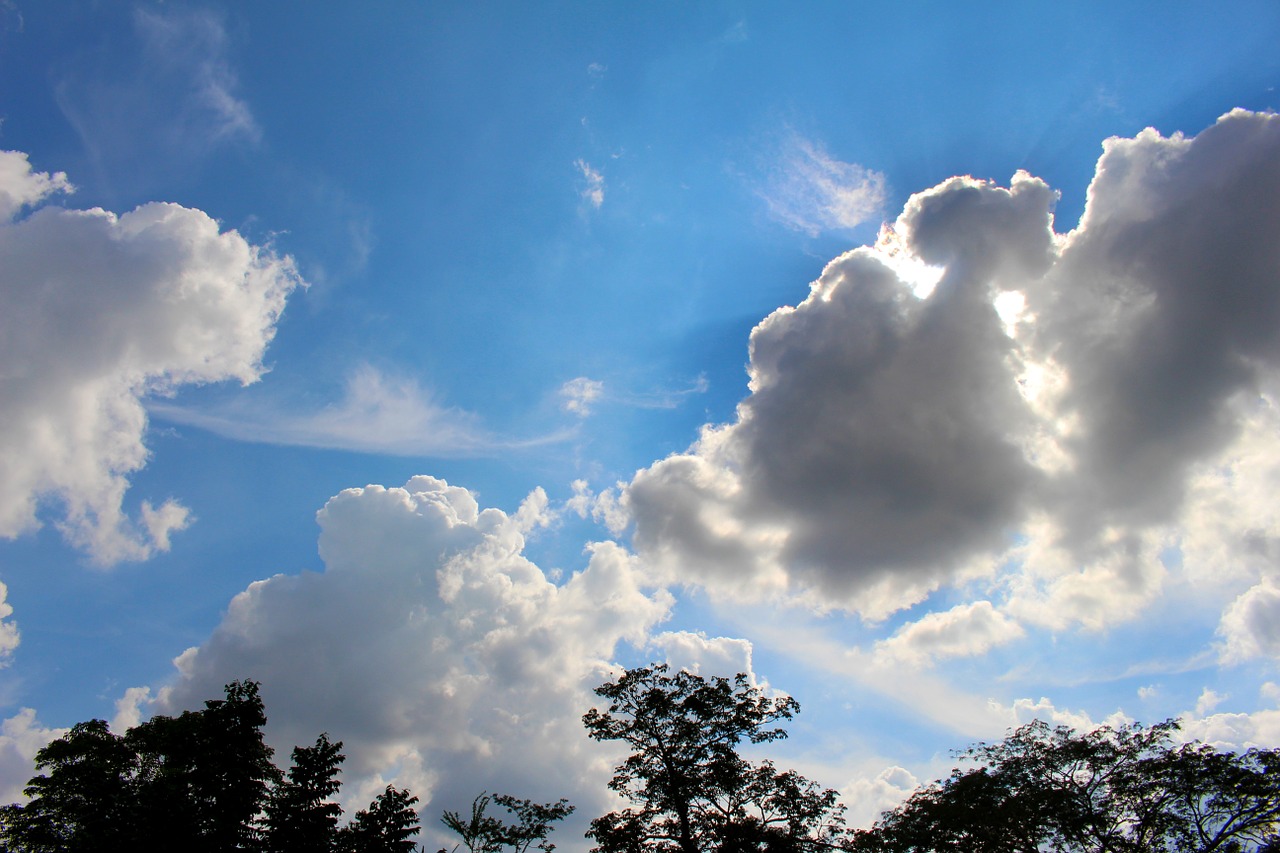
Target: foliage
x,y
300,815
202,776
1112,789
387,826
484,833
691,791
82,801
200,781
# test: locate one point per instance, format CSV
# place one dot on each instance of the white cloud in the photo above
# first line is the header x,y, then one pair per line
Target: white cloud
x,y
377,414
811,191
707,656
1251,625
592,191
1209,699
1054,446
433,648
579,394
96,312
20,185
964,630
9,636
582,394
21,737
867,799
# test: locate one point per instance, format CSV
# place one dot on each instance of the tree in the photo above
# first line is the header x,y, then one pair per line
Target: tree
x,y
82,800
387,826
300,815
203,776
691,790
1112,789
484,833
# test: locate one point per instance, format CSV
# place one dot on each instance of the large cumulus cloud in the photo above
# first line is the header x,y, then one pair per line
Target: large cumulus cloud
x,y
96,312
433,648
1050,405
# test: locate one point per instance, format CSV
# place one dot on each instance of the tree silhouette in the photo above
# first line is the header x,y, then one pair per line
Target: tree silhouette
x,y
300,815
82,801
691,790
1125,789
387,826
203,776
484,833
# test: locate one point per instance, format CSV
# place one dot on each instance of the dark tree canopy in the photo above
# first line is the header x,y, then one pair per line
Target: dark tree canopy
x,y
387,826
300,813
200,781
529,823
1120,790
691,791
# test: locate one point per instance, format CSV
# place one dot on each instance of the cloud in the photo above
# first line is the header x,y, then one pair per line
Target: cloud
x,y
580,393
592,191
963,631
21,737
712,656
1052,444
169,102
96,312
9,636
811,191
438,653
377,414
1251,625
21,186
867,799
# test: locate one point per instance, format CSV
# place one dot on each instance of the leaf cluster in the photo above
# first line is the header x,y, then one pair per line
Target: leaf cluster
x,y
1121,790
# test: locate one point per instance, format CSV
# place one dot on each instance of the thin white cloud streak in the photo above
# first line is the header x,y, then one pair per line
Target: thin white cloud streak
x,y
811,191
377,414
582,394
98,311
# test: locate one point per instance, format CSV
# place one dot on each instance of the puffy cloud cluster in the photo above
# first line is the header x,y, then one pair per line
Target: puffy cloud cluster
x,y
1052,418
433,648
96,312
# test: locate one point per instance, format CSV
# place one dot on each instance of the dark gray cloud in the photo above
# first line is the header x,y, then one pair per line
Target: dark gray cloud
x,y
891,441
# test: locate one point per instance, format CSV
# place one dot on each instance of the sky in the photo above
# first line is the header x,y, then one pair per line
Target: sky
x,y
429,362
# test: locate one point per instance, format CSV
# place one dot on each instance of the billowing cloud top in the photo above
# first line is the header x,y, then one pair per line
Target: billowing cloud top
x,y
1049,403
479,664
96,311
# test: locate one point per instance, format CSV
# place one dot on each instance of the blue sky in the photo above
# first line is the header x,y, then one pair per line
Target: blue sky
x,y
426,360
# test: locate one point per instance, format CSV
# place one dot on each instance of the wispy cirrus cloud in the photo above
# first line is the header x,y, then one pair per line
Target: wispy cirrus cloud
x,y
809,190
171,100
581,395
377,413
591,187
